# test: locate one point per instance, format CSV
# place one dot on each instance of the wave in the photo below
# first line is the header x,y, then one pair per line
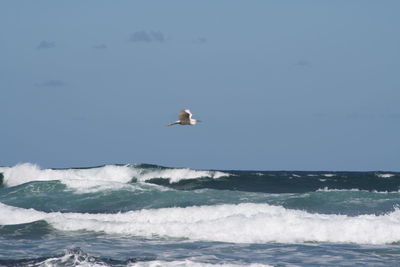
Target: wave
x,y
78,257
71,257
326,189
385,175
240,223
116,177
52,196
101,178
192,263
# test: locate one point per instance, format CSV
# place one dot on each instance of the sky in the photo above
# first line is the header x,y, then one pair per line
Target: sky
x,y
279,85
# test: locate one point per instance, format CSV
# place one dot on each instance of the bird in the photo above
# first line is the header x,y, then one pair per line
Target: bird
x,y
185,118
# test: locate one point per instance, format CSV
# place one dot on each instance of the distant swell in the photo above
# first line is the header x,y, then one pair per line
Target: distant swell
x,y
242,223
292,182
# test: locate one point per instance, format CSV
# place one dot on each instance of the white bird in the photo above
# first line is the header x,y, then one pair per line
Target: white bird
x,y
185,118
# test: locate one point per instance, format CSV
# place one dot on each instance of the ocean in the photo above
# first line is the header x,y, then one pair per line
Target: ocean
x,y
149,215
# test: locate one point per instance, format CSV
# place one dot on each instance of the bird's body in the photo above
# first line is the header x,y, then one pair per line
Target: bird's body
x,y
185,118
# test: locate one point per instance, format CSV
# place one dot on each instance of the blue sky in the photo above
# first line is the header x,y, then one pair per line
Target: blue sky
x,y
293,85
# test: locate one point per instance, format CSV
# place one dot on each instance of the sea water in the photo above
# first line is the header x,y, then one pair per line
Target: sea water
x,y
148,215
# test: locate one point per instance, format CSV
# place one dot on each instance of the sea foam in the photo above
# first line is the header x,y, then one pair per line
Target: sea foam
x,y
175,175
384,175
77,257
190,263
241,223
99,178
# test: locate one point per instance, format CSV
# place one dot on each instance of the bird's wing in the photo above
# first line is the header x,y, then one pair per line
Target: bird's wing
x,y
170,124
185,115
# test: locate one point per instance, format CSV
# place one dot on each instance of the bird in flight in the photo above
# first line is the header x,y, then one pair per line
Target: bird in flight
x,y
185,118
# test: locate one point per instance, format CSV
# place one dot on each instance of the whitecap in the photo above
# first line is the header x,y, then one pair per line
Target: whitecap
x,y
241,223
326,189
108,177
175,175
384,175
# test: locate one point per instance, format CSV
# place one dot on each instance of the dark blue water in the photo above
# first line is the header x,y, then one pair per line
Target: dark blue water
x,y
147,215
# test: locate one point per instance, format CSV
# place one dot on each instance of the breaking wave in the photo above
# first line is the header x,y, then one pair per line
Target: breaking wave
x,y
241,223
101,178
116,177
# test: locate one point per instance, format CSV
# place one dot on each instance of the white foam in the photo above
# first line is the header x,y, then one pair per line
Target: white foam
x,y
100,178
242,223
190,263
176,175
77,259
86,262
74,178
384,175
326,189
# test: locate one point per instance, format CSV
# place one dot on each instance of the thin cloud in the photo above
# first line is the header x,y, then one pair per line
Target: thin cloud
x,y
100,46
391,115
45,45
303,63
147,37
200,40
320,115
52,83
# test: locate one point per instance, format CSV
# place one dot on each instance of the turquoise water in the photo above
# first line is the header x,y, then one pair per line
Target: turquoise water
x,y
148,215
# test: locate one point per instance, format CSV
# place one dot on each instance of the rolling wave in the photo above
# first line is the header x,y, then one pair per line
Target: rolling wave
x,y
240,223
116,177
101,178
136,215
50,196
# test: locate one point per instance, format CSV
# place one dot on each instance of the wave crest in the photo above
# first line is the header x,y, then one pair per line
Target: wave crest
x,y
241,223
100,178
